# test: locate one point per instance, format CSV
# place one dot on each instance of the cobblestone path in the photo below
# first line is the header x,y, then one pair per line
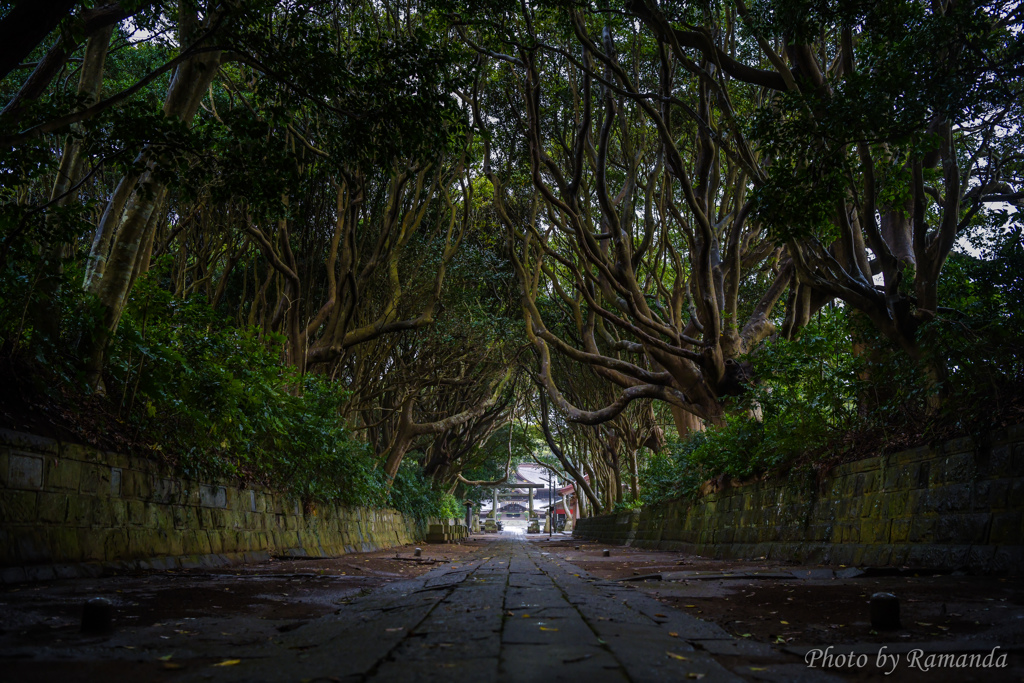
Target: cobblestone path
x,y
510,613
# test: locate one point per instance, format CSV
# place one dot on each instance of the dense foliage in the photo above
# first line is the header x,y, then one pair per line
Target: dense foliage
x,y
378,254
817,402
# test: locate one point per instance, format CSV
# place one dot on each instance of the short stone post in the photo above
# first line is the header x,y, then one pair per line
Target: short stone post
x,y
97,616
885,612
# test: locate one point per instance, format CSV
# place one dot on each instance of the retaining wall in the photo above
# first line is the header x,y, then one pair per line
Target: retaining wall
x,y
952,507
69,510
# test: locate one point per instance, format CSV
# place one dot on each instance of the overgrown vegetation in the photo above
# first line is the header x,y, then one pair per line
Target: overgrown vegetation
x,y
817,403
369,253
215,400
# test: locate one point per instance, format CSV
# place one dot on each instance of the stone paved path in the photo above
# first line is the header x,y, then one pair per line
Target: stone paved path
x,y
512,612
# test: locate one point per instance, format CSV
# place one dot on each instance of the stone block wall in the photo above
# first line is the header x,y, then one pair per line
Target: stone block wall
x,y
952,507
68,510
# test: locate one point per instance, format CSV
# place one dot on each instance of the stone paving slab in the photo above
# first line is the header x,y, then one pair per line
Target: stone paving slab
x,y
403,671
561,662
547,630
740,648
442,647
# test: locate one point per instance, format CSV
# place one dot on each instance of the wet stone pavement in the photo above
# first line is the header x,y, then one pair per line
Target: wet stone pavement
x,y
511,613
503,608
507,610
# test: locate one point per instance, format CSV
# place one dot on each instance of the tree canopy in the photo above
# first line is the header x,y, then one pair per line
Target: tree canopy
x,y
369,250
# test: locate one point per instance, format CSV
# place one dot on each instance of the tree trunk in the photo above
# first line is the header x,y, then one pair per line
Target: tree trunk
x,y
46,312
634,477
686,422
186,90
25,26
87,23
560,454
109,222
408,430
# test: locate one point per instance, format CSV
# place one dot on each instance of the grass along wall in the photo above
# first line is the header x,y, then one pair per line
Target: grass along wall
x,y
952,507
69,510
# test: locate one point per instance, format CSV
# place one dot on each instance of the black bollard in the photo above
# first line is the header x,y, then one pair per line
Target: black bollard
x,y
607,553
97,616
417,552
885,612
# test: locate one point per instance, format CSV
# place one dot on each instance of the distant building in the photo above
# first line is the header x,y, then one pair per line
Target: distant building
x,y
515,502
512,509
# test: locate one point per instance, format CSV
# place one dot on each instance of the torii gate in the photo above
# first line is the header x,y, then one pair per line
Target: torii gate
x,y
494,509
494,505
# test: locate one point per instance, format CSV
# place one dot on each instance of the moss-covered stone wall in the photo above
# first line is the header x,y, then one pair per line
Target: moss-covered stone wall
x,y
952,507
68,510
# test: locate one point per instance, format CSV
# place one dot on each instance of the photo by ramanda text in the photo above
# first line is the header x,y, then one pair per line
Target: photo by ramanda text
x,y
915,659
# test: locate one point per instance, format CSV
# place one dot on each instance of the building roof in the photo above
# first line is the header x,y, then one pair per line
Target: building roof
x,y
571,488
530,473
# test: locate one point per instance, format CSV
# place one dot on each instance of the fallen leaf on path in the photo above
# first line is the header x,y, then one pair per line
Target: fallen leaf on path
x,y
673,634
696,677
392,630
922,623
229,662
784,622
661,615
547,628
758,668
681,658
171,665
165,658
